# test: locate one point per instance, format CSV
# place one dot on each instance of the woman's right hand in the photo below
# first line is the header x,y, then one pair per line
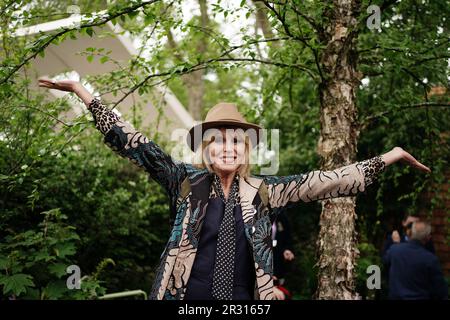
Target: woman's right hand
x,y
69,86
63,85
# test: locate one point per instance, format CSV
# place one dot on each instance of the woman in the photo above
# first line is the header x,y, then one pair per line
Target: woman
x,y
220,246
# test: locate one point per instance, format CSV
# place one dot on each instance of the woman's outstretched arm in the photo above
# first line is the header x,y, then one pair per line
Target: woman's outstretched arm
x,y
345,181
122,138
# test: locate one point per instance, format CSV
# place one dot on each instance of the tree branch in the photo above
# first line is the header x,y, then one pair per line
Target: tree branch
x,y
180,69
309,19
424,85
367,120
282,20
64,31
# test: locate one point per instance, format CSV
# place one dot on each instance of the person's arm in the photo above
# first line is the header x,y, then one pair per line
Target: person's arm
x,y
387,258
122,138
387,244
345,181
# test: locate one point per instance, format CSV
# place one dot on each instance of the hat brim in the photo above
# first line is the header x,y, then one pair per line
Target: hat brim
x,y
194,143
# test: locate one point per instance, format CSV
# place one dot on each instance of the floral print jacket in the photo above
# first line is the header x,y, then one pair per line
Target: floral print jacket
x,y
261,198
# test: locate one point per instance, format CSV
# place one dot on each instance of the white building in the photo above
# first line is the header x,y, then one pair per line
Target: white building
x,y
63,60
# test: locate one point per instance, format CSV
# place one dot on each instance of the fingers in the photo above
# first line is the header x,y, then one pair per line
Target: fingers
x,y
46,83
414,163
422,167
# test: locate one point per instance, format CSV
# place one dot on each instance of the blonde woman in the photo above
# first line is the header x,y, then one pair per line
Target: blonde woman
x,y
220,246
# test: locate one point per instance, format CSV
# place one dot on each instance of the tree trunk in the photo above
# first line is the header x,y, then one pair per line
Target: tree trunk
x,y
337,147
193,81
262,21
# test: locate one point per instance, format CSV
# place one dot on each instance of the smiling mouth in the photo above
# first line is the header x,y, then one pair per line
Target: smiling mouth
x,y
228,159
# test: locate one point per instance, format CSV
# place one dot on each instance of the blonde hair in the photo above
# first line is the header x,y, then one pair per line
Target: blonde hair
x,y
201,162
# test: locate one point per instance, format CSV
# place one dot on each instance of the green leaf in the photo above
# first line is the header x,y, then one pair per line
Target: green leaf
x,y
132,14
55,290
3,263
58,269
90,58
148,19
43,255
104,59
17,283
90,31
63,250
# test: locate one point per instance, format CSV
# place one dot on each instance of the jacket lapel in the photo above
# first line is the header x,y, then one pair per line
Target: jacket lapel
x,y
200,191
248,188
199,196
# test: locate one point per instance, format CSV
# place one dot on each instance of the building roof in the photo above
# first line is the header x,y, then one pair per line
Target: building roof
x,y
63,58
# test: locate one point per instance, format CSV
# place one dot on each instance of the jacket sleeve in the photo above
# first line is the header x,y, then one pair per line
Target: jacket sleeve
x,y
319,185
438,284
122,138
387,244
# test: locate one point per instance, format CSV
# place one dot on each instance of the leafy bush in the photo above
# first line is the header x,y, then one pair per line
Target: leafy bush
x,y
33,263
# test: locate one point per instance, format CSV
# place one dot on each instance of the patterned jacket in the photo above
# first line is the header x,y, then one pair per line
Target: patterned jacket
x,y
261,199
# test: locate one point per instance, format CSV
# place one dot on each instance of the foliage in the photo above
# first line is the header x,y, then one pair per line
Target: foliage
x,y
33,263
369,256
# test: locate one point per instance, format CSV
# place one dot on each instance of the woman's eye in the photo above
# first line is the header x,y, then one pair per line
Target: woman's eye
x,y
216,140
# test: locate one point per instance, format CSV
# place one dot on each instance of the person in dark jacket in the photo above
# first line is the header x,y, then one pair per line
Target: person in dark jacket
x,y
282,245
282,254
397,237
414,272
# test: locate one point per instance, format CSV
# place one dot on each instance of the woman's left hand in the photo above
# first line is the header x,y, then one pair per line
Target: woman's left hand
x,y
278,294
398,154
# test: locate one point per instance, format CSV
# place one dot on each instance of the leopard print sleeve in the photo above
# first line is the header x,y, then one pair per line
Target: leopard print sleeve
x,y
372,168
103,117
319,185
126,141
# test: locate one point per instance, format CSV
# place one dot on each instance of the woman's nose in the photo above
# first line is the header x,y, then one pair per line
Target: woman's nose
x,y
228,146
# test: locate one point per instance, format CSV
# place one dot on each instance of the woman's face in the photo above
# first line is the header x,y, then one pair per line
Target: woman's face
x,y
227,150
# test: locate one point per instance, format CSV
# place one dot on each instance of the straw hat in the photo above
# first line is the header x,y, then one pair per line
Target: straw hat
x,y
222,115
